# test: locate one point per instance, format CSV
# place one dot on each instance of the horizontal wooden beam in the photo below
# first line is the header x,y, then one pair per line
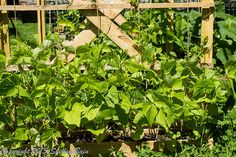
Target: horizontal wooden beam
x,y
106,6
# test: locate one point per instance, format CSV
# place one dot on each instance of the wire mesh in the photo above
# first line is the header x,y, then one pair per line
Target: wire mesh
x,y
230,7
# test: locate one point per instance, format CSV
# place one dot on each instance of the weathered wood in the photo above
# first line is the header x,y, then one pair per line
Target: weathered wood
x,y
112,13
128,148
1,21
39,23
43,21
120,19
87,35
107,6
5,39
207,35
169,46
114,33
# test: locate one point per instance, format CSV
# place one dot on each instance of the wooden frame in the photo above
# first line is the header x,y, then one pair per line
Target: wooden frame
x,y
207,31
107,18
4,33
107,6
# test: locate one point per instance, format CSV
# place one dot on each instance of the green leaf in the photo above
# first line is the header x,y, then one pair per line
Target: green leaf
x,y
167,66
83,49
47,43
97,132
150,112
66,23
138,133
106,114
125,103
139,118
113,95
177,84
44,77
13,92
221,55
202,88
197,134
126,26
230,69
49,134
133,66
161,119
92,114
21,134
225,28
73,117
22,92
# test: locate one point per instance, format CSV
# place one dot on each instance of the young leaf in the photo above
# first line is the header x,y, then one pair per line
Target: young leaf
x,y
150,112
125,103
161,119
21,134
91,113
73,117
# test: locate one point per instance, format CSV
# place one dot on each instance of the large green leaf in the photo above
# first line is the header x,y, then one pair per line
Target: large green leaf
x,y
112,97
150,112
125,103
73,117
203,88
230,69
21,134
106,114
91,113
49,134
162,119
226,28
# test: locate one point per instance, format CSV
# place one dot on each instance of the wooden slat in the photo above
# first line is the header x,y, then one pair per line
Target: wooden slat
x,y
87,35
120,19
115,34
112,13
207,35
5,39
107,6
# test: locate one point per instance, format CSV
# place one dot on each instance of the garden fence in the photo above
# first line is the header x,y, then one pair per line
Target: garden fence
x,y
107,21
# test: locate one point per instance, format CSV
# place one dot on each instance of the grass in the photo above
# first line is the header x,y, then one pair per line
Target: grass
x,y
26,32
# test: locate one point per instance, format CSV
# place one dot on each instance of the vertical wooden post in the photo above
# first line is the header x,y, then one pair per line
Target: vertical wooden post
x,y
1,23
39,23
207,35
43,21
5,39
169,46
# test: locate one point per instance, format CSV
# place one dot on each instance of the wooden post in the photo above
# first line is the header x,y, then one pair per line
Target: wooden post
x,y
169,46
1,23
207,34
43,21
39,23
5,39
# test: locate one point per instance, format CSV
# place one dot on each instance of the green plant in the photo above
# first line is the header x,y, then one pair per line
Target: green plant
x,y
105,91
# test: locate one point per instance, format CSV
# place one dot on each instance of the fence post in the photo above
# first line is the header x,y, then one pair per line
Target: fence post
x,y
5,39
169,46
39,23
43,20
1,22
207,31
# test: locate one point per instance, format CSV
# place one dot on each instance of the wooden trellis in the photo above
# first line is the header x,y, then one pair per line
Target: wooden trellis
x,y
104,15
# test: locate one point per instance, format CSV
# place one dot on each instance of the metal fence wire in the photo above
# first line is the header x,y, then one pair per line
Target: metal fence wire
x,y
230,7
